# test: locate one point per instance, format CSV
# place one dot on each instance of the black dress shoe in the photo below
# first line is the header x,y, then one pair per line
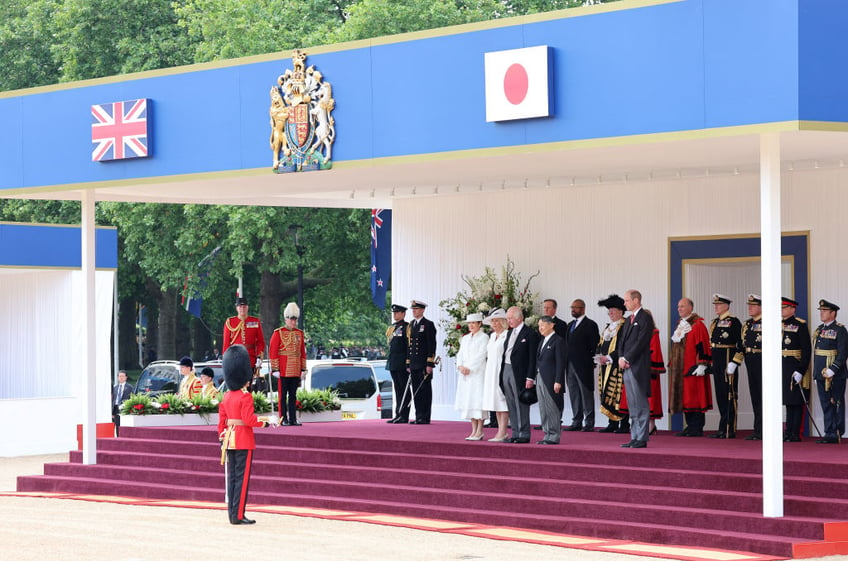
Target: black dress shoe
x,y
295,424
623,430
827,440
573,428
588,429
243,521
608,428
393,421
731,435
285,422
520,440
639,444
718,435
401,421
792,439
628,444
684,432
696,433
754,436
416,422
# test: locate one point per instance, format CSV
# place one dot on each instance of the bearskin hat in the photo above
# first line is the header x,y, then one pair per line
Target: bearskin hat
x,y
613,301
238,370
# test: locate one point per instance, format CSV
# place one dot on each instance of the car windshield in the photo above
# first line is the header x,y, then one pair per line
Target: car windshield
x,y
351,381
383,376
158,378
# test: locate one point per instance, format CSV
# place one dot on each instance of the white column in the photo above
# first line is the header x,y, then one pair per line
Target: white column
x,y
772,324
89,366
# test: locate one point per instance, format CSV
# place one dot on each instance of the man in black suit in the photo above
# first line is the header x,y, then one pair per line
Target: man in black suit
x,y
550,377
518,371
396,364
420,360
581,341
635,360
120,393
549,308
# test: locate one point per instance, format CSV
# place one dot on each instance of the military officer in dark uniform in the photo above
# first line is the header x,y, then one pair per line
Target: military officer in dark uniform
x,y
726,341
829,355
752,350
420,360
796,363
396,363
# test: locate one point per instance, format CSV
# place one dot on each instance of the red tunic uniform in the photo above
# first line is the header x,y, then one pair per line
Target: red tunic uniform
x,y
236,419
657,368
247,333
287,352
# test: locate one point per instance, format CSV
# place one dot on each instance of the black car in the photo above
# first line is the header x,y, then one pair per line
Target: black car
x,y
163,376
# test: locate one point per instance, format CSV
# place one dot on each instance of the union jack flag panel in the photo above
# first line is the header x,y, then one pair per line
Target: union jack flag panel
x,y
120,130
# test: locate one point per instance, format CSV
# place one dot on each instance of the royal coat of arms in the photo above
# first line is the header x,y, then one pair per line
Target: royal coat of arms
x,y
302,124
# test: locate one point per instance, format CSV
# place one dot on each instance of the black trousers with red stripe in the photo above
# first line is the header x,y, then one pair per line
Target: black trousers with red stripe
x,y
238,479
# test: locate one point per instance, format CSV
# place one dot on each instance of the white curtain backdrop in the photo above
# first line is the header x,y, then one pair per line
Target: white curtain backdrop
x,y
41,329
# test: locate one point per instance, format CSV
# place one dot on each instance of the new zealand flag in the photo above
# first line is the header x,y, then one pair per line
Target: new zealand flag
x,y
381,254
119,130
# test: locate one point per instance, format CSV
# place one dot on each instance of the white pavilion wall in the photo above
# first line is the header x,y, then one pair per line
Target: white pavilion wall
x,y
588,241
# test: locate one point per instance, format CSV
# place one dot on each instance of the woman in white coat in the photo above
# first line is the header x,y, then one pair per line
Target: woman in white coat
x,y
493,397
471,368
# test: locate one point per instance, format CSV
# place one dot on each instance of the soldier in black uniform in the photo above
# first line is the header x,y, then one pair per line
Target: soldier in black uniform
x,y
831,350
726,341
752,344
796,363
396,364
420,360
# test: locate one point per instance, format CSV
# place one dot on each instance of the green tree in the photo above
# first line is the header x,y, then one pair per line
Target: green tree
x,y
95,38
26,33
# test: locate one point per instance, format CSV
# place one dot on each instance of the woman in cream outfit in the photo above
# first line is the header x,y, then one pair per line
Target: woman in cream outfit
x,y
471,368
493,397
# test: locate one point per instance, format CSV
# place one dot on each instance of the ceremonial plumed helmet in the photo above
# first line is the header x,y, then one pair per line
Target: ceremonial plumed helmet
x,y
612,301
291,311
238,369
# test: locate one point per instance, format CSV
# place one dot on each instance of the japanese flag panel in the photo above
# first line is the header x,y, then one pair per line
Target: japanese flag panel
x,y
517,83
120,130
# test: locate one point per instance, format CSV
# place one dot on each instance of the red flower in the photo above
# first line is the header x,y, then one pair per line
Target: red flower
x,y
458,326
467,304
166,406
297,404
138,406
498,296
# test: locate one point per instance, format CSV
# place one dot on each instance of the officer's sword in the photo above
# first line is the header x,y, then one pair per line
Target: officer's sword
x,y
807,408
731,405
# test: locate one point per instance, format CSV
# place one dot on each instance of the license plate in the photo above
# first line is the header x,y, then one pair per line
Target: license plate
x,y
348,414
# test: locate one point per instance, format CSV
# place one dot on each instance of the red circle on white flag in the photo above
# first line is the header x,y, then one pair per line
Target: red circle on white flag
x,y
515,84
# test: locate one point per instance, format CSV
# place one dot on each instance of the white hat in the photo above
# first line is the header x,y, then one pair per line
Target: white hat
x,y
417,304
476,316
291,311
495,314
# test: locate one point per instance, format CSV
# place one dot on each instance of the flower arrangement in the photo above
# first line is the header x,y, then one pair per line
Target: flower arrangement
x,y
491,290
315,401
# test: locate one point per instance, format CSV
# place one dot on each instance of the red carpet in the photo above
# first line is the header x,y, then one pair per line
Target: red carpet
x,y
679,491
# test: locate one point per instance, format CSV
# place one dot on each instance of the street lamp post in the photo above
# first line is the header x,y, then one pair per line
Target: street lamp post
x,y
300,250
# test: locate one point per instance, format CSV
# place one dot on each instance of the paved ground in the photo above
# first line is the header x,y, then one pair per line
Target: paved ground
x,y
72,530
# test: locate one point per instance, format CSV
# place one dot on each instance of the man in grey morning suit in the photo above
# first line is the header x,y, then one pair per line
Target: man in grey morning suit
x,y
517,367
550,368
635,361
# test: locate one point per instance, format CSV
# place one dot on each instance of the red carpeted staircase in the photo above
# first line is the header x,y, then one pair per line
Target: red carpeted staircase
x,y
679,491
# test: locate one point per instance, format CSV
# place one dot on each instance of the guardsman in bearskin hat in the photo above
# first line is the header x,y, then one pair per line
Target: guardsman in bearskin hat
x,y
796,363
246,330
287,351
726,341
396,363
752,349
236,420
829,355
420,360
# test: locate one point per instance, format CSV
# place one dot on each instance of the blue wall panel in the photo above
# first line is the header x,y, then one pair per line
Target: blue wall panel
x,y
685,65
31,245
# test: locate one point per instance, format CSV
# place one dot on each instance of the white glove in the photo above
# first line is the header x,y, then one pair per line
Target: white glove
x,y
701,370
731,368
797,377
828,373
258,362
275,374
597,359
273,420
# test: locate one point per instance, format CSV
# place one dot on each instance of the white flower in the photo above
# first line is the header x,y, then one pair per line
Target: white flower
x,y
483,307
156,405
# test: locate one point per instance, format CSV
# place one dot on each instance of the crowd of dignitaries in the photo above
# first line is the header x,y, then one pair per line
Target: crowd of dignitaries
x,y
515,366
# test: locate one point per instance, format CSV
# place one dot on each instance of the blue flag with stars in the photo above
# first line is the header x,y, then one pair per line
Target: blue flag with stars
x,y
381,254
